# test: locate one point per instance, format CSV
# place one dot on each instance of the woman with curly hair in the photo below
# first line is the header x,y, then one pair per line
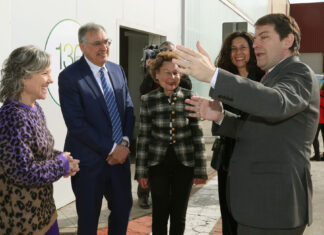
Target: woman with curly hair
x,y
236,56
28,162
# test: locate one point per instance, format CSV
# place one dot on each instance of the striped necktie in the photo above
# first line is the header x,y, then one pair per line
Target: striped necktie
x,y
112,108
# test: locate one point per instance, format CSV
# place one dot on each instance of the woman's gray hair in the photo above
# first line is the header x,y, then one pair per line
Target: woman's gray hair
x,y
22,63
86,28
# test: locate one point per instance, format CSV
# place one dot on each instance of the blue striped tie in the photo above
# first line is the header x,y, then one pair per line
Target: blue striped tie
x,y
112,108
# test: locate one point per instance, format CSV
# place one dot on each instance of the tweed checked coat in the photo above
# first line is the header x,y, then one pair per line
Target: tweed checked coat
x,y
165,123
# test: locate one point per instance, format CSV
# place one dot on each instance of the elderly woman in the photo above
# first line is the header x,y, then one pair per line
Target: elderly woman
x,y
170,148
28,163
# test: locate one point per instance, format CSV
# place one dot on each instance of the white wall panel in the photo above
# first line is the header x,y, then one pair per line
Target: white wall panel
x,y
204,19
32,20
6,29
252,8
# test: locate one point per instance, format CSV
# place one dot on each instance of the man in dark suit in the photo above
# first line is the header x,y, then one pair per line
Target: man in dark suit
x,y
269,173
100,125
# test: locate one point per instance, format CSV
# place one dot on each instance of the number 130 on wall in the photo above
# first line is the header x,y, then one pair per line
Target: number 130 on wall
x,y
69,52
63,46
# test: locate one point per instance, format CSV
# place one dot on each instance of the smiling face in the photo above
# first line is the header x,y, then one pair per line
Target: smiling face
x,y
35,87
168,77
96,47
268,47
240,52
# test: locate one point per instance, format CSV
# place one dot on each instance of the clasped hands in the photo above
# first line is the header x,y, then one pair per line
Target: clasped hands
x,y
118,156
73,164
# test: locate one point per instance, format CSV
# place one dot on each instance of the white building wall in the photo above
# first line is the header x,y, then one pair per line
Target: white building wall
x,y
254,9
5,24
204,21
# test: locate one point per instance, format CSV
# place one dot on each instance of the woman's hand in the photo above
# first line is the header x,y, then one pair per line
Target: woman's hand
x,y
73,164
199,181
143,182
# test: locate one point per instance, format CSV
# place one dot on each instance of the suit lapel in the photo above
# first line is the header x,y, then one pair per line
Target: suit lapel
x,y
92,83
272,76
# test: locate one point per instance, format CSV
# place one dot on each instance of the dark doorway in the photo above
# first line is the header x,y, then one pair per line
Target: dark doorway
x,y
132,43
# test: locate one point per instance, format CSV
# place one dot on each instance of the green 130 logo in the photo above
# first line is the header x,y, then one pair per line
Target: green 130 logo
x,y
63,46
70,52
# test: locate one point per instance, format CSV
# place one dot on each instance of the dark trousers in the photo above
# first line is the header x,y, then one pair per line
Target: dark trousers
x,y
316,142
171,183
91,184
54,229
247,230
229,225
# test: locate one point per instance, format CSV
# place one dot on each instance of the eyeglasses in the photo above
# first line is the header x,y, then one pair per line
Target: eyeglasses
x,y
106,42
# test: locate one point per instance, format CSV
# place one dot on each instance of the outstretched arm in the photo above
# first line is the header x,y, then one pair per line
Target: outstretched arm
x,y
195,63
211,110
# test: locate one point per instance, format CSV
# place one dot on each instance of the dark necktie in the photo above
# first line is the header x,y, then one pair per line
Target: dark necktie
x,y
112,108
264,76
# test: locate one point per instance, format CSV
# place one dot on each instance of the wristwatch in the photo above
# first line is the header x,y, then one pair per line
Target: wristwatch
x,y
124,143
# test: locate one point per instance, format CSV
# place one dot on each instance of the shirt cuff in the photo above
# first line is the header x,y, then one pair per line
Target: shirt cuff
x,y
66,164
214,79
113,148
126,138
220,122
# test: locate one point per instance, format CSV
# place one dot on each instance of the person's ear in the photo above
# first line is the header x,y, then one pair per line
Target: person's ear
x,y
148,62
289,40
157,76
81,46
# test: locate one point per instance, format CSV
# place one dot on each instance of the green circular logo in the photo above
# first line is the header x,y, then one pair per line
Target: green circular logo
x,y
63,46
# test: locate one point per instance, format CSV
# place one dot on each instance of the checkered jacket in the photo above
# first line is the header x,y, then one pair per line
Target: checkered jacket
x,y
163,123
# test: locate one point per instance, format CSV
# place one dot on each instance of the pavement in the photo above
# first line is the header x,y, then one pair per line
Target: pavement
x,y
203,214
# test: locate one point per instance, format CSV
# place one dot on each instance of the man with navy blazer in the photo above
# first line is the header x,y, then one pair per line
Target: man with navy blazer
x,y
104,164
270,186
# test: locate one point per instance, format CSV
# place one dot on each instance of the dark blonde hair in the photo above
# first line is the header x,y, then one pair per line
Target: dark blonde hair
x,y
165,56
22,63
